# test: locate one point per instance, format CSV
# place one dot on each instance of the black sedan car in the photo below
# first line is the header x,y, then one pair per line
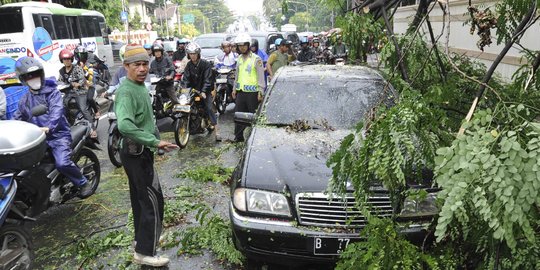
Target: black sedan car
x,y
280,210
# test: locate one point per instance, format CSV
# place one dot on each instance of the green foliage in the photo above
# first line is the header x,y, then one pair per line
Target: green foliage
x,y
301,19
210,173
360,33
385,248
110,9
209,12
490,176
511,12
135,22
88,249
214,233
177,207
400,142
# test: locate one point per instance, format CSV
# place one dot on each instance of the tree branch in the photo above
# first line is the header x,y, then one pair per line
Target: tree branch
x,y
517,34
421,12
391,36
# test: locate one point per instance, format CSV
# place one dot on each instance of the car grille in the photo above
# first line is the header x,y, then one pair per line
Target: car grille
x,y
317,209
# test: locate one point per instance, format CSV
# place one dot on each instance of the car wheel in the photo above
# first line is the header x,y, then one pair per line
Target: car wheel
x,y
252,264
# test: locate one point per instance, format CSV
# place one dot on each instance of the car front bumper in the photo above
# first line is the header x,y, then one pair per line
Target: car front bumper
x,y
283,242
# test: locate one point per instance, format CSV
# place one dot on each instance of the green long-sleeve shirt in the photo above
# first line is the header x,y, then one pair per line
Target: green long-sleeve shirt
x,y
134,113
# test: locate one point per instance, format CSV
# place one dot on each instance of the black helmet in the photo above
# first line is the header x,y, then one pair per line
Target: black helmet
x,y
254,43
29,67
81,54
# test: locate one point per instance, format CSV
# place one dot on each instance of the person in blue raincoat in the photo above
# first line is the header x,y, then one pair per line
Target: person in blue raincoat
x,y
53,122
254,47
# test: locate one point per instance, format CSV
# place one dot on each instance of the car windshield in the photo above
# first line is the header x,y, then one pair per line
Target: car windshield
x,y
209,42
324,103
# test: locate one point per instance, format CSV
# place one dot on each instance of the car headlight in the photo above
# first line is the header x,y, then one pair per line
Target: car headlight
x,y
415,207
183,100
258,201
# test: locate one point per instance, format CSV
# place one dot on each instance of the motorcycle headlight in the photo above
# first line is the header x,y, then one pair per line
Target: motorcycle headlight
x,y
258,201
183,100
416,207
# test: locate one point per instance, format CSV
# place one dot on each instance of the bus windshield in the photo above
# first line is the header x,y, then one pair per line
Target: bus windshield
x,y
11,20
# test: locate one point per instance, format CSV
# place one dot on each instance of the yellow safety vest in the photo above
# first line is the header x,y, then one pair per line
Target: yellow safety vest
x,y
247,74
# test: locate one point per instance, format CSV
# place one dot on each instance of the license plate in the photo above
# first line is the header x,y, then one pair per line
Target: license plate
x,y
330,245
182,108
221,80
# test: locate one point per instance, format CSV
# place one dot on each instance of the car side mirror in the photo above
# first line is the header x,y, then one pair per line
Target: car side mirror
x,y
39,110
245,118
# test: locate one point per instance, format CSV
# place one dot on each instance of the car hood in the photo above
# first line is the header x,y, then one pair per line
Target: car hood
x,y
278,159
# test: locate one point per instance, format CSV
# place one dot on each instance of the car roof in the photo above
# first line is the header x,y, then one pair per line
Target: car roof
x,y
324,72
212,35
261,33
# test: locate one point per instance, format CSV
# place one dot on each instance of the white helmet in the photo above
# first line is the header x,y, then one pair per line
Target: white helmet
x,y
193,48
242,39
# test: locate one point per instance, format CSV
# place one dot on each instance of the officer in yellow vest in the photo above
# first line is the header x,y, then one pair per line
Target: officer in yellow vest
x,y
249,82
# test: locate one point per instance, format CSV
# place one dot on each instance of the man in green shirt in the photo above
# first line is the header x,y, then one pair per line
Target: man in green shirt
x,y
281,57
136,123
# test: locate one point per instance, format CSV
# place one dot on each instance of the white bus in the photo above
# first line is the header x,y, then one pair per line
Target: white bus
x,y
42,30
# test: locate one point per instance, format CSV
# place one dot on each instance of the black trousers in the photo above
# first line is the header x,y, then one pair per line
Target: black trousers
x,y
146,200
245,102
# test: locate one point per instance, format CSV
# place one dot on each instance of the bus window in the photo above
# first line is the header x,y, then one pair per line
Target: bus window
x,y
104,30
62,31
11,20
46,22
73,26
92,26
84,26
37,21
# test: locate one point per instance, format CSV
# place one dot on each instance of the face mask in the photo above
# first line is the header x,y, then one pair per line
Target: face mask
x,y
34,83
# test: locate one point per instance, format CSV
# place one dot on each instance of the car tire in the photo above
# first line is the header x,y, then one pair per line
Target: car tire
x,y
252,264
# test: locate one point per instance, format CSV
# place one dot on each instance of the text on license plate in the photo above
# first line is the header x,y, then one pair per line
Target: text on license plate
x,y
221,80
331,245
182,108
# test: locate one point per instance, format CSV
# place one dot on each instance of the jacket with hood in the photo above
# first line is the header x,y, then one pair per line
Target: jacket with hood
x,y
54,118
199,76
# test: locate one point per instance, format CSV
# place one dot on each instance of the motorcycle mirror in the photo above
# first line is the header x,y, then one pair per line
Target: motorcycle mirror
x,y
244,118
39,110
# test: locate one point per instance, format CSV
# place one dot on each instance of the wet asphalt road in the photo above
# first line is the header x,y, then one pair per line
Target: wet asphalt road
x,y
63,225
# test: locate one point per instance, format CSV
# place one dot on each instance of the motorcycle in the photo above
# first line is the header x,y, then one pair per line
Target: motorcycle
x,y
191,117
179,67
20,149
161,103
71,108
44,186
113,143
224,86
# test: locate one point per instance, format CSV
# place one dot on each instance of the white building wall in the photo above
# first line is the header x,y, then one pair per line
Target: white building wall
x,y
462,42
140,6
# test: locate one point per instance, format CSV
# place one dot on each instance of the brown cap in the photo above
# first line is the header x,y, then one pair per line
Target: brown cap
x,y
134,53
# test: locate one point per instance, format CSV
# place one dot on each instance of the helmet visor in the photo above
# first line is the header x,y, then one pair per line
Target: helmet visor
x,y
31,75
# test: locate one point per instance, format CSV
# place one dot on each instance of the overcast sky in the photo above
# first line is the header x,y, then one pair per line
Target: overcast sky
x,y
245,7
